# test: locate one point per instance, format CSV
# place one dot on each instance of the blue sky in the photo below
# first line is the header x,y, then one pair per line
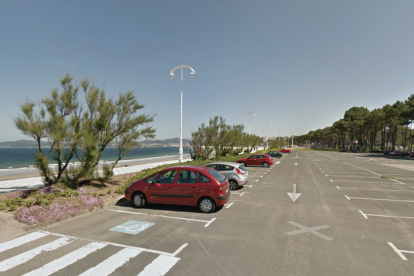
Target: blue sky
x,y
298,65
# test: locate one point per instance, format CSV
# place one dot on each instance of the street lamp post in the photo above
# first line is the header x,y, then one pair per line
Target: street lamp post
x,y
292,140
245,116
279,133
267,136
181,121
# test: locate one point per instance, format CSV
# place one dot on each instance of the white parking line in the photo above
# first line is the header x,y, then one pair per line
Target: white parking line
x,y
250,186
162,216
242,193
331,180
346,188
384,216
213,219
228,206
382,199
257,180
399,251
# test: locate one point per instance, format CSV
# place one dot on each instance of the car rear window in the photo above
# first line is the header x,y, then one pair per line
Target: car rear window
x,y
242,168
218,176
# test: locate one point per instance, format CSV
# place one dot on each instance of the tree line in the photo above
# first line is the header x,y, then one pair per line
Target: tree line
x,y
360,128
222,138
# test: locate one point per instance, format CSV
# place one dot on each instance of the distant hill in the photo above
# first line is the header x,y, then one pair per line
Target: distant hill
x,y
22,144
166,141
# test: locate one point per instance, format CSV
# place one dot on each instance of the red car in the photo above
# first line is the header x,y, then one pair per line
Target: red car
x,y
285,150
184,185
257,160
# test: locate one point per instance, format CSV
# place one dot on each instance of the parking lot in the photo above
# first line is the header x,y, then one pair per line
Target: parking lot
x,y
354,216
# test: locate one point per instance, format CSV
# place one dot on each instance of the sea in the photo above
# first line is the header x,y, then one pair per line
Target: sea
x,y
17,158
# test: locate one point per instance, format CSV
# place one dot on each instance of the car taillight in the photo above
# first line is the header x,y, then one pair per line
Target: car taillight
x,y
239,171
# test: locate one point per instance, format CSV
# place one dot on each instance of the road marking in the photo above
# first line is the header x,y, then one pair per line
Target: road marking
x,y
228,206
383,199
265,172
347,197
399,252
22,240
66,260
364,182
28,255
207,224
337,187
136,213
346,188
397,181
257,180
132,227
160,266
331,180
242,193
309,230
111,243
277,162
384,216
261,176
326,175
112,263
250,186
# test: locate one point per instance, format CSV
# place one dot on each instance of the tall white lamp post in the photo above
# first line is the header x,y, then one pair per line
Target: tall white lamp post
x,y
279,133
181,121
245,116
267,136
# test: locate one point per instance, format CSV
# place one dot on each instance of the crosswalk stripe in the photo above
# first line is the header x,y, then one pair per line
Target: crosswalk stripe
x,y
22,240
112,263
66,260
160,266
28,255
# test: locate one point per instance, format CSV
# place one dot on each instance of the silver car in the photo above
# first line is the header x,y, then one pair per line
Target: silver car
x,y
236,173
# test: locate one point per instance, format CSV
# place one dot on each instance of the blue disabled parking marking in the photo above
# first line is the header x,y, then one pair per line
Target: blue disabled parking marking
x,y
132,227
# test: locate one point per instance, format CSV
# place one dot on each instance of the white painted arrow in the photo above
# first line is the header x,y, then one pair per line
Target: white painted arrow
x,y
294,196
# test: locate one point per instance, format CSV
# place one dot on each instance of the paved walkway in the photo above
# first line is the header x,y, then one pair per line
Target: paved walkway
x,y
37,182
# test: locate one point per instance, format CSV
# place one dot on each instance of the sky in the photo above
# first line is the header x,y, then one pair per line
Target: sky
x,y
297,65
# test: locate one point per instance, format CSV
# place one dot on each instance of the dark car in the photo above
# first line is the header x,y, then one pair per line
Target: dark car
x,y
184,185
275,153
342,150
257,160
376,151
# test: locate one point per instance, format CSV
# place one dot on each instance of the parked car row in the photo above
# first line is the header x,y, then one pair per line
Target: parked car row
x,y
399,153
206,186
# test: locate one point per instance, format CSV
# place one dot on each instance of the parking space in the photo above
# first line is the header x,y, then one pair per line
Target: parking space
x,y
353,217
379,189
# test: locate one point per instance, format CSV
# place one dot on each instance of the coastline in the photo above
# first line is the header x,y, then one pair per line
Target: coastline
x,y
28,172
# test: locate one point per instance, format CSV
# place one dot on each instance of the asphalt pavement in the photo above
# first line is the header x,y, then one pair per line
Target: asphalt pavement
x,y
354,216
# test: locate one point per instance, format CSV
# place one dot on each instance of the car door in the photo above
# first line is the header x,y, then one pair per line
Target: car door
x,y
251,160
161,189
185,190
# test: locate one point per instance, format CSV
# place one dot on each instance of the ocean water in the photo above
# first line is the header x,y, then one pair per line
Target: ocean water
x,y
12,158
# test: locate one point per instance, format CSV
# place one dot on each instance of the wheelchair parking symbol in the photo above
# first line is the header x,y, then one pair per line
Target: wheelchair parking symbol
x,y
132,227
